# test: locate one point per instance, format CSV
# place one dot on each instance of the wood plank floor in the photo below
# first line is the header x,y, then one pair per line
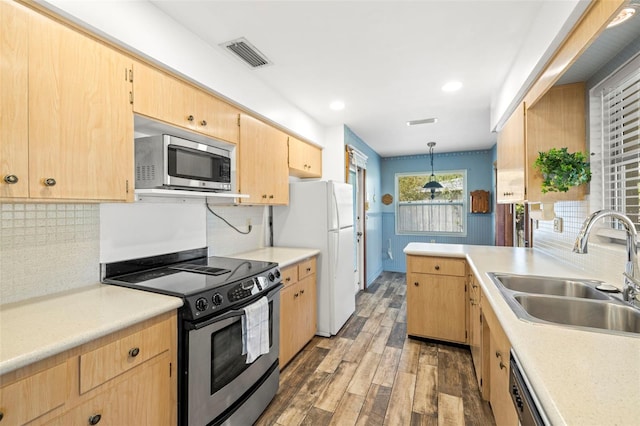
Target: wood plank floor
x,y
372,374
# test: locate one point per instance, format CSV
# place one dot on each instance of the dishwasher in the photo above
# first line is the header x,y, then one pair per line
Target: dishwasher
x,y
525,401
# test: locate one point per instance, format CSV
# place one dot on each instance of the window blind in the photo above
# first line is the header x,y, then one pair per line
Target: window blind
x,y
621,154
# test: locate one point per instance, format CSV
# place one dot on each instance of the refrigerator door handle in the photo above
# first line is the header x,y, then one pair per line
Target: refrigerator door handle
x,y
336,207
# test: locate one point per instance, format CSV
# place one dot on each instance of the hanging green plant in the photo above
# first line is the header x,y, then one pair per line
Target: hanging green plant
x,y
562,170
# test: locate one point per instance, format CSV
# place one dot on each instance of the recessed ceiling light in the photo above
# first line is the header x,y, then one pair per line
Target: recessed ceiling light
x,y
423,121
623,16
336,105
452,86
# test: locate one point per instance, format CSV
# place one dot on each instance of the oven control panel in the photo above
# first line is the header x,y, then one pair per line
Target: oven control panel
x,y
229,295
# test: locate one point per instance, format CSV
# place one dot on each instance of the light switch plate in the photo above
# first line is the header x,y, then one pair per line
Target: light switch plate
x,y
557,224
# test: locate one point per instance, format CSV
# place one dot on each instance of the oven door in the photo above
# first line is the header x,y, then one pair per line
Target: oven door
x,y
218,374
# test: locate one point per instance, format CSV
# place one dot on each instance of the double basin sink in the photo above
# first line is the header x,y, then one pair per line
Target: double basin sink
x,y
573,303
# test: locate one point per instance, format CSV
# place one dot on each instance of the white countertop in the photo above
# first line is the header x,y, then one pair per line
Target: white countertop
x,y
35,329
284,256
580,377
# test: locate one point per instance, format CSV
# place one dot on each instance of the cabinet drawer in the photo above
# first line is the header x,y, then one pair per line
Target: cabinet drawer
x,y
436,265
306,268
34,396
106,362
289,275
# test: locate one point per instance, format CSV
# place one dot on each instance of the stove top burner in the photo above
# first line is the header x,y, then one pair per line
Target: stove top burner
x,y
198,269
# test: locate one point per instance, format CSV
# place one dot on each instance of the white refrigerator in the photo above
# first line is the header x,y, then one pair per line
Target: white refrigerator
x,y
320,215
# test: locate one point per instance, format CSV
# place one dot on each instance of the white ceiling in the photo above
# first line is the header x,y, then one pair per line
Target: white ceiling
x,y
387,60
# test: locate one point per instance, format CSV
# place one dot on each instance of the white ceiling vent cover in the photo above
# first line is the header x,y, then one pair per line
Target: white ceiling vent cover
x,y
244,50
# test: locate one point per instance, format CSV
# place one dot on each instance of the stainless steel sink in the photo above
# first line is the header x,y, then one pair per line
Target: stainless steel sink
x,y
568,302
582,312
551,286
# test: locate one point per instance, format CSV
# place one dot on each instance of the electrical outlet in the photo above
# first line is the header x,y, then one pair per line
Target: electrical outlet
x,y
557,224
248,221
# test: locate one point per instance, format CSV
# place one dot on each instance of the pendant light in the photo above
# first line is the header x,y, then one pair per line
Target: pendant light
x,y
433,185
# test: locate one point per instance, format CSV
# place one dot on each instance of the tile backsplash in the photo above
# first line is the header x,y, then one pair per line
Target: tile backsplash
x,y
47,248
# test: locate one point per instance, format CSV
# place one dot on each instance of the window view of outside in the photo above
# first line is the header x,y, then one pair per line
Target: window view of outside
x,y
417,213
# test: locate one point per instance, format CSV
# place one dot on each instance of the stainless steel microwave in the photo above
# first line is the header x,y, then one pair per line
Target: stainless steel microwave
x,y
170,162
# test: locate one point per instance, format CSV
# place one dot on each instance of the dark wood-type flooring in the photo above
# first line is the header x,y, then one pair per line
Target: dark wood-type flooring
x,y
372,374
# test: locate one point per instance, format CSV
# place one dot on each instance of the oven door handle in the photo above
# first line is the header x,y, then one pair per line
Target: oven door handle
x,y
234,312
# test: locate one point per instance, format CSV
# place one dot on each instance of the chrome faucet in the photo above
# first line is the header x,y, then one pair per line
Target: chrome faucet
x,y
632,273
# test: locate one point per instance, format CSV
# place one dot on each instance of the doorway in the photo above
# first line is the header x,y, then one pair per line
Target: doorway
x,y
357,177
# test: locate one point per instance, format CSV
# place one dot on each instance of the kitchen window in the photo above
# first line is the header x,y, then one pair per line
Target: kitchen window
x,y
619,98
417,213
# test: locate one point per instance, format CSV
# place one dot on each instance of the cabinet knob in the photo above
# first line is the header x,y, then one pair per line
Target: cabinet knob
x,y
49,182
10,179
437,267
271,196
264,195
296,294
502,366
133,352
203,123
190,118
301,291
287,279
416,284
95,419
498,354
1,415
308,269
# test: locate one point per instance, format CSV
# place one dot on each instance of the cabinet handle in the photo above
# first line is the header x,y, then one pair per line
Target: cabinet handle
x,y
437,267
190,118
203,123
49,182
95,419
134,352
10,179
416,284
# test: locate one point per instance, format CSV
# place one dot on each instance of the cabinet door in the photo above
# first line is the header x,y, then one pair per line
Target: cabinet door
x,y
142,399
305,160
14,119
289,323
262,161
308,309
80,117
475,329
159,96
500,398
216,118
436,307
511,159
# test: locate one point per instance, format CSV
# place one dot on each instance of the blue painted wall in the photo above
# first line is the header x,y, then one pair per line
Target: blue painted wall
x,y
479,167
373,219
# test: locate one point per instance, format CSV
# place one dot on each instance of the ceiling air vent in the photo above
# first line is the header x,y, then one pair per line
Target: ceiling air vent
x,y
244,50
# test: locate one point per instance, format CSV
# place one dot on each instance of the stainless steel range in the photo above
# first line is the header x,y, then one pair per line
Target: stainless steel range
x,y
216,384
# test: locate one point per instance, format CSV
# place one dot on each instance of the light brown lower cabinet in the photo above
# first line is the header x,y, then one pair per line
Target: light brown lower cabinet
x,y
298,308
495,355
437,302
125,378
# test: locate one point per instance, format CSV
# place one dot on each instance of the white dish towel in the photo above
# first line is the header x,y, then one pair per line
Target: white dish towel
x,y
255,329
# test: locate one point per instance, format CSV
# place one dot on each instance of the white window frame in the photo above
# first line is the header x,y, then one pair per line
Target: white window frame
x,y
603,181
463,203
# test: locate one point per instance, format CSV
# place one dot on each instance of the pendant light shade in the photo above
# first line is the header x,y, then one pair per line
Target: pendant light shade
x,y
432,185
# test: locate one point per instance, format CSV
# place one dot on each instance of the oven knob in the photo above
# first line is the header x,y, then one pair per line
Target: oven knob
x,y
277,273
217,299
202,304
271,277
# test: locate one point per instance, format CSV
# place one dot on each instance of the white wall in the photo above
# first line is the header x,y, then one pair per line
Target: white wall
x,y
545,36
333,154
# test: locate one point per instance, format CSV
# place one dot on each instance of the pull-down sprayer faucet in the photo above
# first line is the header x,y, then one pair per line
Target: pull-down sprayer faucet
x,y
632,272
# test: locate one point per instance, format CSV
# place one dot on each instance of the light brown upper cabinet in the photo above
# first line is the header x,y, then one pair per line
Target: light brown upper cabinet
x,y
557,120
305,160
262,163
67,123
162,97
